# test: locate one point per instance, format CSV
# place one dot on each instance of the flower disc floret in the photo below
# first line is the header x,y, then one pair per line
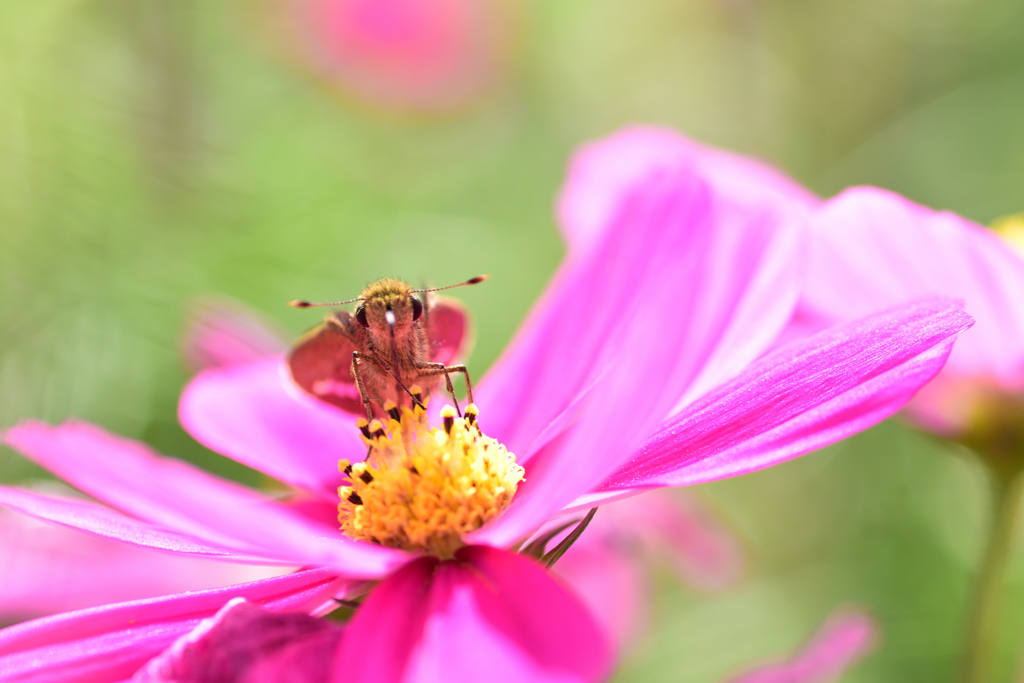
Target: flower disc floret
x,y
422,488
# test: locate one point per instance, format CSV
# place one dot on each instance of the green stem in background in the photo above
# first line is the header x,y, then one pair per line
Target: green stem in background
x,y
986,613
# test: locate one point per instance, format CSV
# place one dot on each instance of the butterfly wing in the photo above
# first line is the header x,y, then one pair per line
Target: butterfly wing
x,y
448,331
320,362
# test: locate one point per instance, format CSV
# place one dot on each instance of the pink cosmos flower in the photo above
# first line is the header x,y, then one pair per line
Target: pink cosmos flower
x,y
220,332
871,248
428,56
606,566
845,637
641,366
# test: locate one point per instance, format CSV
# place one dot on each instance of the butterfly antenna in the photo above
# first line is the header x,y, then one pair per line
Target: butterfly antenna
x,y
471,281
300,303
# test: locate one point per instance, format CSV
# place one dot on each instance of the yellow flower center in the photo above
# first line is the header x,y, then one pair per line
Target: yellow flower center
x,y
423,488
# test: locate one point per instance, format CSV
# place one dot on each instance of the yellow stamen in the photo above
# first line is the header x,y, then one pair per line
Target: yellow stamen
x,y
423,488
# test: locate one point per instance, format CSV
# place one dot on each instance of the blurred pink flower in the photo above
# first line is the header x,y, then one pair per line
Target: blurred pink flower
x,y
872,248
427,56
221,332
608,565
641,366
847,636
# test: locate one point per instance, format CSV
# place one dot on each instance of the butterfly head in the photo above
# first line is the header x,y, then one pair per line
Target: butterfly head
x,y
388,306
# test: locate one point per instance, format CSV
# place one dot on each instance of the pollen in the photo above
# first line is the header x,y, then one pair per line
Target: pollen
x,y
422,488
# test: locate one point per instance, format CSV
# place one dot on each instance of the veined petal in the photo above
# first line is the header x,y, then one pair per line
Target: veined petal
x,y
489,614
178,496
809,394
676,276
46,569
101,521
842,640
873,248
248,413
244,643
729,302
110,643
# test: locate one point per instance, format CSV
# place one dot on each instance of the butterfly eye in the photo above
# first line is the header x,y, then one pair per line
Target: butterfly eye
x,y
361,316
417,308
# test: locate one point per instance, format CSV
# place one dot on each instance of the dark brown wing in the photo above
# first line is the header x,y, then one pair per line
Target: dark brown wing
x,y
448,331
321,361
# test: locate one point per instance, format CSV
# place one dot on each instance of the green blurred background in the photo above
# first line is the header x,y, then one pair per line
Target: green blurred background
x,y
152,151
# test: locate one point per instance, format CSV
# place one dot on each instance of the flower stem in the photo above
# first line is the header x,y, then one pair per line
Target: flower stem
x,y
986,607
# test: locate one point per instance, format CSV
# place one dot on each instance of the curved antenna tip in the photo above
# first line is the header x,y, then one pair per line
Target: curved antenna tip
x,y
472,281
302,303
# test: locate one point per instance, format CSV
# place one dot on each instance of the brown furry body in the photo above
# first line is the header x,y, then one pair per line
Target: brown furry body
x,y
384,348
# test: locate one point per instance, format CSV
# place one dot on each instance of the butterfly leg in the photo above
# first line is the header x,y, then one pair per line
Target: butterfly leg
x,y
433,369
360,385
360,356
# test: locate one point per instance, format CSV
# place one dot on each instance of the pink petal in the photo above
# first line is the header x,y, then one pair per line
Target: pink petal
x,y
845,638
221,332
680,274
106,523
602,173
807,395
488,615
725,256
248,413
45,569
244,643
387,627
110,643
873,248
612,583
180,497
